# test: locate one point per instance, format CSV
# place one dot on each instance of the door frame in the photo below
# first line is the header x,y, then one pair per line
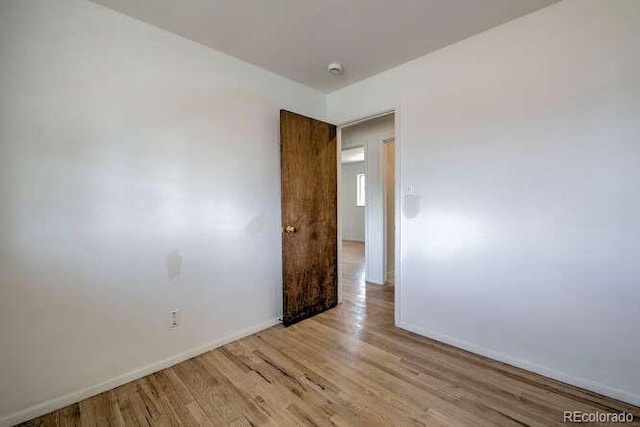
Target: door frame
x,y
385,197
398,186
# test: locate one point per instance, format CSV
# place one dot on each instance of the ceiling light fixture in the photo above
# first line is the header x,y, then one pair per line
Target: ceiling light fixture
x,y
335,69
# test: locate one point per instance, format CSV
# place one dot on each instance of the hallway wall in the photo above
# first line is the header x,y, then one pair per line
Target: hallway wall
x,y
352,215
370,134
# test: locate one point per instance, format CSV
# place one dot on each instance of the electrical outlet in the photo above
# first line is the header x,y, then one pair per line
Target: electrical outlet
x,y
174,319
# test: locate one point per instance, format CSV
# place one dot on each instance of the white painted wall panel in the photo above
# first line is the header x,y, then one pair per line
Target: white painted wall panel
x,y
520,151
119,143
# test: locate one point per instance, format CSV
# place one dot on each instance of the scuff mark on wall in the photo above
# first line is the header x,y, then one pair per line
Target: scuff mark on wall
x,y
255,226
411,206
174,264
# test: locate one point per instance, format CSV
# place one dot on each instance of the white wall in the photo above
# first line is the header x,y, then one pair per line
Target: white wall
x,y
352,215
520,180
120,142
370,135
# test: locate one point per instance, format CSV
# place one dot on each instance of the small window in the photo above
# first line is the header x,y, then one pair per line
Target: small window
x,y
360,181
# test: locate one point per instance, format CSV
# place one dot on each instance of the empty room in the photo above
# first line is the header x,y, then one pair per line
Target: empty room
x,y
319,212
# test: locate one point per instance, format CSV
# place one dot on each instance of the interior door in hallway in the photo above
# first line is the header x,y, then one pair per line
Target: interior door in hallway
x,y
309,216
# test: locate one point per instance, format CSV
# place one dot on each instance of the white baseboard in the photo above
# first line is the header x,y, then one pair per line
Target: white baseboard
x,y
584,383
76,396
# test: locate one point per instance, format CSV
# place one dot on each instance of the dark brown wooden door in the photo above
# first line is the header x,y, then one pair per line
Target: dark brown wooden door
x,y
309,216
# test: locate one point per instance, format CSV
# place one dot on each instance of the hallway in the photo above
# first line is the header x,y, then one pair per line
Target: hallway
x,y
370,305
347,366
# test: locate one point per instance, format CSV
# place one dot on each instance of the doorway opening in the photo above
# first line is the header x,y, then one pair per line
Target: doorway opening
x,y
367,214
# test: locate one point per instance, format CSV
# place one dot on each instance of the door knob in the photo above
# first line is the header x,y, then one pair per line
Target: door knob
x,y
289,229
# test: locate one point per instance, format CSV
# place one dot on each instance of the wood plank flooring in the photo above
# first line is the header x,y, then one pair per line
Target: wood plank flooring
x,y
349,366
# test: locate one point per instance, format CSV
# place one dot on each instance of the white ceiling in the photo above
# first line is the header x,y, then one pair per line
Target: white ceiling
x,y
298,38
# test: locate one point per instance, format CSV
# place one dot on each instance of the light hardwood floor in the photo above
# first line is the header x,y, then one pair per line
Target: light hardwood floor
x,y
348,366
